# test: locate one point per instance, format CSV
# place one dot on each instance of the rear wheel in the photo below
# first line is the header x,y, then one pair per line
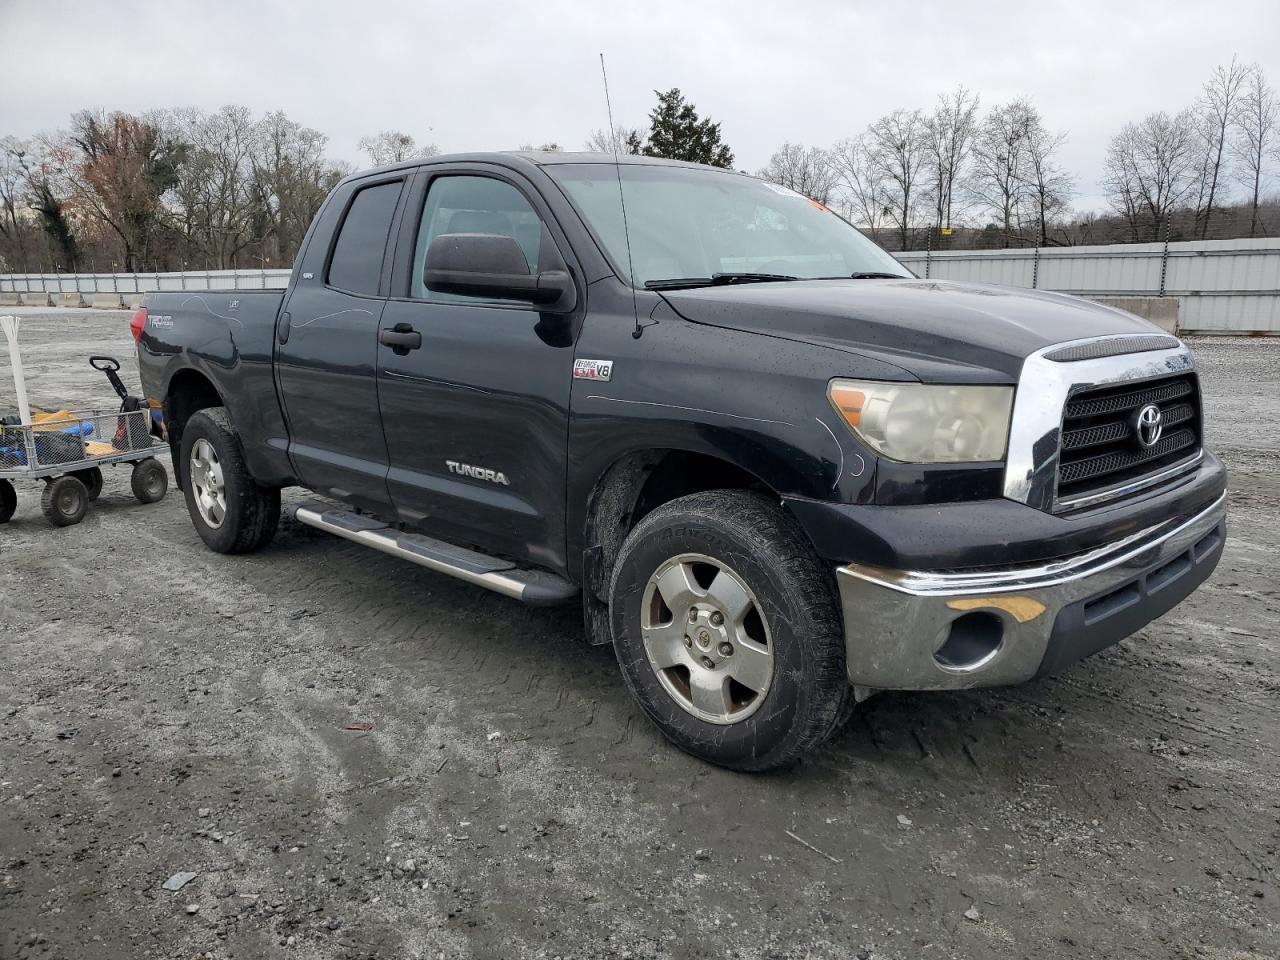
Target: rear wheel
x,y
92,480
149,481
231,512
8,501
728,632
64,501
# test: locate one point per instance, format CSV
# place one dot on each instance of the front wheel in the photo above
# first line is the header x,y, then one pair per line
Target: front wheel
x,y
231,512
64,501
728,632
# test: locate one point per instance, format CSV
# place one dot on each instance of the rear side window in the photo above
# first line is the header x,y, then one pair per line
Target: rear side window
x,y
357,256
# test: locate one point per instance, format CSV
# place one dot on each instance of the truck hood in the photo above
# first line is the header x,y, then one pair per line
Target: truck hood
x,y
939,331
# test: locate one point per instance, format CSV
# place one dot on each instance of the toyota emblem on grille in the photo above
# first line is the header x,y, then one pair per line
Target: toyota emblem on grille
x,y
1149,425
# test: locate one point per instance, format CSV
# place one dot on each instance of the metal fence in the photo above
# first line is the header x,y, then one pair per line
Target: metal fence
x,y
136,283
1224,286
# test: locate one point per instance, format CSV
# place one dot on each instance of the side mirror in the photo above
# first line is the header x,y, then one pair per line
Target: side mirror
x,y
493,266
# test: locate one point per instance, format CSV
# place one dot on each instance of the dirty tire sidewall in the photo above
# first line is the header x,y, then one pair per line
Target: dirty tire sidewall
x,y
8,501
253,511
65,501
809,695
149,480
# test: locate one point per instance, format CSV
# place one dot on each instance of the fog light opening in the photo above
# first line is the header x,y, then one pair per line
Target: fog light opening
x,y
970,641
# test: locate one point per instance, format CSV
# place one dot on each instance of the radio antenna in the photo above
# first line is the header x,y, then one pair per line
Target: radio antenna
x,y
622,200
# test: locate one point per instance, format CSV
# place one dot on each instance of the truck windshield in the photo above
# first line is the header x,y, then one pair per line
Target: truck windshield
x,y
692,227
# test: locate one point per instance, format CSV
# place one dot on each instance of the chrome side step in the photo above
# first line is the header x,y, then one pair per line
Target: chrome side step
x,y
530,586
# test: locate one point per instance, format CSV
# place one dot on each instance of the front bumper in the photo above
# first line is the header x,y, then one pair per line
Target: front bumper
x,y
921,630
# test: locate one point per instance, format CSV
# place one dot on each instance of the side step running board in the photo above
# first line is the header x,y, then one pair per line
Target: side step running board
x,y
531,586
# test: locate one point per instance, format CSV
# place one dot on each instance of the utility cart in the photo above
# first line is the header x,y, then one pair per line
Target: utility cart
x,y
67,449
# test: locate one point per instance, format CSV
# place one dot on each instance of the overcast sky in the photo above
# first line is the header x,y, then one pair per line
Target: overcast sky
x,y
491,74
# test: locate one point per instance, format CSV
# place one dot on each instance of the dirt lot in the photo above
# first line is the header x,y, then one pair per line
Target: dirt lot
x,y
165,709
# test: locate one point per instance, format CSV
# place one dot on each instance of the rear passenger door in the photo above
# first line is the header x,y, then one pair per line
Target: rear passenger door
x,y
327,347
476,416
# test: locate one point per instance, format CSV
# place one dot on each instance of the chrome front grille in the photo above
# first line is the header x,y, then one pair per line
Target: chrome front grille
x,y
1071,435
1101,446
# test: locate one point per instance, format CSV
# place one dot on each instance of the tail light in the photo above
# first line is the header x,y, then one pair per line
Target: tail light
x,y
138,323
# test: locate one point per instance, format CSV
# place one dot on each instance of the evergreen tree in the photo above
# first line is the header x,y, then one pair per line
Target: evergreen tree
x,y
676,133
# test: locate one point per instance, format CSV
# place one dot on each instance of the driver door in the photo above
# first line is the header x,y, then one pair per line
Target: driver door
x,y
476,417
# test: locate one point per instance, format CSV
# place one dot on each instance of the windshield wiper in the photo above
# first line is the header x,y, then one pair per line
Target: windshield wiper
x,y
872,275
715,280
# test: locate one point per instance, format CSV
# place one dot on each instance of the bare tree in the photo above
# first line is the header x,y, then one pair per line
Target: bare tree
x,y
950,131
1151,167
549,147
12,188
896,148
1048,186
291,179
806,170
999,177
1258,119
392,146
1218,107
623,140
217,208
864,191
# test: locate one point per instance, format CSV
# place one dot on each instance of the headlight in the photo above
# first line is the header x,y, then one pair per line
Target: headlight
x,y
924,423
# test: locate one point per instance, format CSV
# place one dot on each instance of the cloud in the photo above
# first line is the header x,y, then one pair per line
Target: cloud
x,y
485,76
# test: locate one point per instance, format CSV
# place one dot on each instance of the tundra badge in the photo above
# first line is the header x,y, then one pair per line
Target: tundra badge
x,y
477,473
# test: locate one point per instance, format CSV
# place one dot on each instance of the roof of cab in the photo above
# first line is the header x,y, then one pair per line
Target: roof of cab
x,y
540,158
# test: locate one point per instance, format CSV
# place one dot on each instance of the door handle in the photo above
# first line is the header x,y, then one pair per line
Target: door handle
x,y
401,338
283,325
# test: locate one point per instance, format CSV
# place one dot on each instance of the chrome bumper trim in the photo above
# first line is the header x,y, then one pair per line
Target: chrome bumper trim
x,y
895,621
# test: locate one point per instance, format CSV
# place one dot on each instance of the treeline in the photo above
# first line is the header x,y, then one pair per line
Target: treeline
x,y
188,189
958,175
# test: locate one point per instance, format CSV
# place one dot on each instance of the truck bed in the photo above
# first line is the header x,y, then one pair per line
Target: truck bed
x,y
226,337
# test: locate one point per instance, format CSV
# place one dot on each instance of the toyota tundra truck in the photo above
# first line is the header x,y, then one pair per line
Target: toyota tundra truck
x,y
779,472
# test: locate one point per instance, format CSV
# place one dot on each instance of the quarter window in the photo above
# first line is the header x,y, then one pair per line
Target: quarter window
x,y
357,256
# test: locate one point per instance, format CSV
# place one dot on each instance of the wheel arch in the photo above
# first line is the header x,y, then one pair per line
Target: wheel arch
x,y
627,490
189,392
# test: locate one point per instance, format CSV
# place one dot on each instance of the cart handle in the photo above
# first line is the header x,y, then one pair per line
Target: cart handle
x,y
109,366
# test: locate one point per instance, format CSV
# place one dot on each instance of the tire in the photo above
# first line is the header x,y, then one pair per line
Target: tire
x,y
792,616
64,501
92,480
149,481
8,501
232,513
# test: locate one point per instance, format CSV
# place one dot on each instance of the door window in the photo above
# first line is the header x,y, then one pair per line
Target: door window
x,y
356,265
466,204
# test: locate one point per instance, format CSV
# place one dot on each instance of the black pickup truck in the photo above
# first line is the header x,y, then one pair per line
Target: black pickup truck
x,y
780,472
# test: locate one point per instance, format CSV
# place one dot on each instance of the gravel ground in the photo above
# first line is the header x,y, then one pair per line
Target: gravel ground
x,y
166,709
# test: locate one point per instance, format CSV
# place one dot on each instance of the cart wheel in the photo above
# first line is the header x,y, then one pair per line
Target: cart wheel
x,y
92,479
8,501
149,480
65,501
